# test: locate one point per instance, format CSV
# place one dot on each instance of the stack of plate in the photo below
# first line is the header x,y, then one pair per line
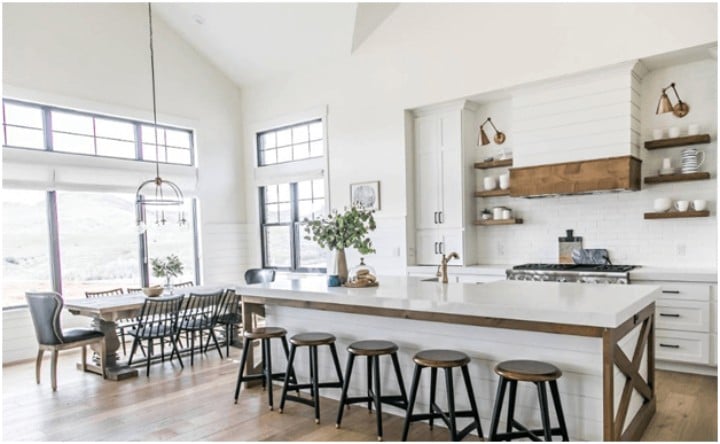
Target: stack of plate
x,y
689,163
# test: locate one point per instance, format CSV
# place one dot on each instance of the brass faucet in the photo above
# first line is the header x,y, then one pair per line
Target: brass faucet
x,y
442,268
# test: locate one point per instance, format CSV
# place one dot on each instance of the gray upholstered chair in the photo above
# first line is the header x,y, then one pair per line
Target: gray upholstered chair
x,y
259,275
45,310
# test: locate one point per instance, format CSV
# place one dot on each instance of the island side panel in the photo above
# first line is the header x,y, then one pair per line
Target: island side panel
x,y
579,357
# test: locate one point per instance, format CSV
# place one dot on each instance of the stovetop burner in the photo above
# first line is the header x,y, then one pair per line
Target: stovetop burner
x,y
604,268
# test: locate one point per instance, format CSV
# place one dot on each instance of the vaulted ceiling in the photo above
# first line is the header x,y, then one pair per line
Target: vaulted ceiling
x,y
254,41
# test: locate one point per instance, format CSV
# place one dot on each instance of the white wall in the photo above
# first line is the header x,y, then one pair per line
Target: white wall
x,y
429,53
96,57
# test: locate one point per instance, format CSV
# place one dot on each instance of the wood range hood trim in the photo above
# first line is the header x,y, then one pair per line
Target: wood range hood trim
x,y
581,177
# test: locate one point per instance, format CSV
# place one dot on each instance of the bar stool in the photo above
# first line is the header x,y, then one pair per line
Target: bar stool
x,y
267,376
312,341
528,371
447,360
372,349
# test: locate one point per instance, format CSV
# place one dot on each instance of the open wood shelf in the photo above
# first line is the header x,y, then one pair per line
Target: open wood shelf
x,y
493,164
677,177
677,214
499,222
677,141
491,193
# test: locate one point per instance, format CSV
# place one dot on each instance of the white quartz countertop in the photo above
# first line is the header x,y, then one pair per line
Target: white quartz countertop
x,y
597,305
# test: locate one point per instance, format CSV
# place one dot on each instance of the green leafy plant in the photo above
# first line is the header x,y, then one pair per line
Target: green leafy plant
x,y
167,268
342,230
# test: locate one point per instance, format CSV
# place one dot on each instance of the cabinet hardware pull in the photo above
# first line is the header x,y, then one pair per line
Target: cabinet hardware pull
x,y
435,217
436,247
442,247
669,346
441,217
670,315
671,291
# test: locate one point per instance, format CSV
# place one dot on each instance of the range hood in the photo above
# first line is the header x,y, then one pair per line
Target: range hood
x,y
581,177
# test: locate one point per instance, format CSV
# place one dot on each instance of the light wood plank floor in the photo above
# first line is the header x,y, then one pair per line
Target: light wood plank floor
x,y
196,404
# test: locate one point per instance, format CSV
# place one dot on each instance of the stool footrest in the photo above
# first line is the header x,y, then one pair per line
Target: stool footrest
x,y
524,432
396,401
275,376
310,402
292,387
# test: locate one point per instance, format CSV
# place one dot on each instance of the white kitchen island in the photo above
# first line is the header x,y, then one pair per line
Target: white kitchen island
x,y
600,336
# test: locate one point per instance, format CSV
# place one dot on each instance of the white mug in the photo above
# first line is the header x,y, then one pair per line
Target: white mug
x,y
666,164
662,204
490,183
674,132
693,129
657,133
498,213
506,213
699,204
682,205
505,181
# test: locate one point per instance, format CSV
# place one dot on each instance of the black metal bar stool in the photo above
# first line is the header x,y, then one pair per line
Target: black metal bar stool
x,y
447,360
312,341
372,349
267,376
538,373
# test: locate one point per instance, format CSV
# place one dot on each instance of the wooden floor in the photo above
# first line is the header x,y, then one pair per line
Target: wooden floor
x,y
197,405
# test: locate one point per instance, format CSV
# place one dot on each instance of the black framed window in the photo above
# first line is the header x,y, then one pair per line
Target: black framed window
x,y
291,143
49,128
283,208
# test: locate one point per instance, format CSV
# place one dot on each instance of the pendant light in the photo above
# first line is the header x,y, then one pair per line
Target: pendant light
x,y
157,192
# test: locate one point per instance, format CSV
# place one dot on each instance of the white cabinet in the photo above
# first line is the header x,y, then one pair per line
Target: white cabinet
x,y
442,194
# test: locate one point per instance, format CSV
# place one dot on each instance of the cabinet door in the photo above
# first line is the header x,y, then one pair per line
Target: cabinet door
x,y
452,240
427,245
451,170
427,171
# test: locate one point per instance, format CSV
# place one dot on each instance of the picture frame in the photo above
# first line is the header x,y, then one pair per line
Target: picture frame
x,y
366,193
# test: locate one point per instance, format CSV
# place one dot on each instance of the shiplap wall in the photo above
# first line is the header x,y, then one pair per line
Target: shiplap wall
x,y
226,252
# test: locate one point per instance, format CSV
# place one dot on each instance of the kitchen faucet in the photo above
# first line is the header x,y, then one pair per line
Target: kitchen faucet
x,y
442,268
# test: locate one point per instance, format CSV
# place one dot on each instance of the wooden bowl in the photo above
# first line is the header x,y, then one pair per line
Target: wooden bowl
x,y
152,292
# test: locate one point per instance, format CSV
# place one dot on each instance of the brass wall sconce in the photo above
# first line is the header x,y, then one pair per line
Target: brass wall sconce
x,y
665,106
483,139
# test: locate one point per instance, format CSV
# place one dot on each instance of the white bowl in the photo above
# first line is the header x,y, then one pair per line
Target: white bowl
x,y
662,204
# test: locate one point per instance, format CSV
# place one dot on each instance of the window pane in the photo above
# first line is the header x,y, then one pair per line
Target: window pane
x,y
283,137
316,132
176,138
277,246
98,242
318,188
149,152
283,192
71,122
271,213
267,140
23,115
316,149
305,209
115,148
172,238
269,157
148,135
300,134
178,155
311,255
114,129
301,151
24,138
271,193
305,190
26,262
284,154
284,212
70,143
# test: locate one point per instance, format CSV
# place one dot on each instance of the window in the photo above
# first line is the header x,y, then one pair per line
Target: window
x,y
26,253
97,246
290,143
284,206
29,125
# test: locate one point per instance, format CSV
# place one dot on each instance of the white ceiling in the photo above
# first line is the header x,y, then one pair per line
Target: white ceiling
x,y
253,41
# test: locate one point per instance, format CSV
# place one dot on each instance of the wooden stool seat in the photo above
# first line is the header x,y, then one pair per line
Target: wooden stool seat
x,y
526,370
372,347
441,358
302,339
265,332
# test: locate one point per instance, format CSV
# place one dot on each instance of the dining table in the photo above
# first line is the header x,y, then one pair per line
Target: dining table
x,y
105,313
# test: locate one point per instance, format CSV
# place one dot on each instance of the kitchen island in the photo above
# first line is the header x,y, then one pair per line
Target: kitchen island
x,y
600,336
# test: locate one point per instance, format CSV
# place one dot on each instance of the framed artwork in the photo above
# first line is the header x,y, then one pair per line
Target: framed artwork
x,y
366,194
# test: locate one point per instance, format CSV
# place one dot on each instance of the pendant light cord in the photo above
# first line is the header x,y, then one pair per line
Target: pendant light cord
x,y
152,75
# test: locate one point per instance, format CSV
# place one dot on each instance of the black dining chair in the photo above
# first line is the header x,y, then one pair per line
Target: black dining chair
x,y
45,309
229,316
259,275
184,284
158,320
200,315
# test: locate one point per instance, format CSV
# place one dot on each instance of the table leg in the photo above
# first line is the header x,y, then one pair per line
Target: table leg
x,y
114,369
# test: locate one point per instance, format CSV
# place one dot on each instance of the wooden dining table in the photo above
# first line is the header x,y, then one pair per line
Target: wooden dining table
x,y
107,311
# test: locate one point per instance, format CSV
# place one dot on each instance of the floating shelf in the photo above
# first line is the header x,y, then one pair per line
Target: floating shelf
x,y
491,193
677,214
677,141
499,222
493,164
677,177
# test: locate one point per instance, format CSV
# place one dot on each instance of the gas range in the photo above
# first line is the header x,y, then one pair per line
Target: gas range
x,y
584,273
